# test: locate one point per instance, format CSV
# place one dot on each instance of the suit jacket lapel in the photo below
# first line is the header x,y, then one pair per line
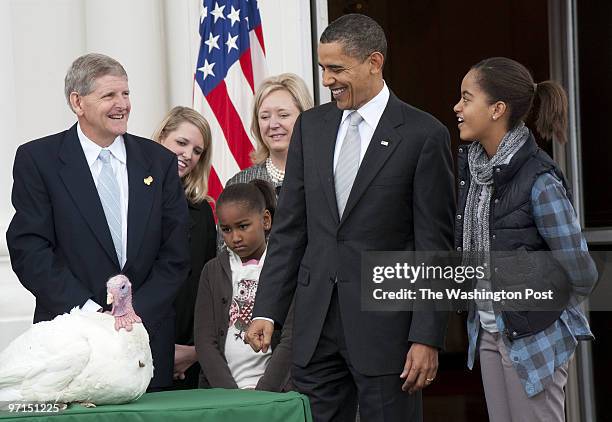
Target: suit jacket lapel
x,y
383,143
326,163
77,178
140,196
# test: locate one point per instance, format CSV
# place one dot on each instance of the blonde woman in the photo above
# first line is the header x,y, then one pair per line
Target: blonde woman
x,y
278,102
187,134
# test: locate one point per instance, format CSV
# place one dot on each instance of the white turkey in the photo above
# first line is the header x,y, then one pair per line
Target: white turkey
x,y
85,357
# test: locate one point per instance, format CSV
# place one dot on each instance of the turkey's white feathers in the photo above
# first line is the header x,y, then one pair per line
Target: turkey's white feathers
x,y
77,357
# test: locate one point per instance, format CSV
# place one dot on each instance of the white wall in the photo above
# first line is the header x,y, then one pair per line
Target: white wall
x,y
155,40
287,36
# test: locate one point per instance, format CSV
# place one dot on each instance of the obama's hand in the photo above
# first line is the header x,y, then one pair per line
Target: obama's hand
x,y
259,334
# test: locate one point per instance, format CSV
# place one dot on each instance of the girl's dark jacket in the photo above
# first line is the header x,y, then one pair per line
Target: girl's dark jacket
x,y
512,228
210,331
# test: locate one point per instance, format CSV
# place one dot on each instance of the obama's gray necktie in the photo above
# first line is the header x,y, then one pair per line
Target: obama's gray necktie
x,y
348,162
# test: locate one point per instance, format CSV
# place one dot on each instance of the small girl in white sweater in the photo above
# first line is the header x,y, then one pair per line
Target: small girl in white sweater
x,y
226,295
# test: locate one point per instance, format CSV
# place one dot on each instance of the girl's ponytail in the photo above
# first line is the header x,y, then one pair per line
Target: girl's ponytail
x,y
551,105
267,190
504,79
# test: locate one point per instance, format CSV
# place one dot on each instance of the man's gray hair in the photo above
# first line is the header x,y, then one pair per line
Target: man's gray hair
x,y
86,69
359,34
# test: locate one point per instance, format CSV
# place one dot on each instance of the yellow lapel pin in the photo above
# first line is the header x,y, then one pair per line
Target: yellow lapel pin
x,y
148,181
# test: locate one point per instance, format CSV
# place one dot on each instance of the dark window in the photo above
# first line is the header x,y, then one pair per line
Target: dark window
x,y
595,73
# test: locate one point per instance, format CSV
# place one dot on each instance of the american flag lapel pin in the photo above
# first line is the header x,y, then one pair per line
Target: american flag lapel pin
x,y
147,181
384,143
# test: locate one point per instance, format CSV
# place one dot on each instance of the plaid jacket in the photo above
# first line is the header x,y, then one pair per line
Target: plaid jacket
x,y
535,357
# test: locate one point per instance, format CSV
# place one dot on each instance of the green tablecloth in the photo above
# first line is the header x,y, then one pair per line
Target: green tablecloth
x,y
189,405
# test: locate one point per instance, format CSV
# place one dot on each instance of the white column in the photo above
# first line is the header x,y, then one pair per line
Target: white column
x,y
181,22
8,121
47,37
132,32
320,24
39,41
11,324
286,28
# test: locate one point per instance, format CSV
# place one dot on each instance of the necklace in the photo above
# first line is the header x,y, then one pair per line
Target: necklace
x,y
277,175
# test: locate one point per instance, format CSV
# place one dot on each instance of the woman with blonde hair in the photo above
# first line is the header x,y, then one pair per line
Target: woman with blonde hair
x,y
186,133
278,102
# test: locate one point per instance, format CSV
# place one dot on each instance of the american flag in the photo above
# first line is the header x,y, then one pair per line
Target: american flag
x,y
231,64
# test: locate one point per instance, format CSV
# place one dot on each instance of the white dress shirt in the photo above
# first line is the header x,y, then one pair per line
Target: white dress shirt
x,y
371,112
118,162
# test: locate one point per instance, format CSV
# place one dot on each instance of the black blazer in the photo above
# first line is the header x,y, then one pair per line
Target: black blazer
x,y
402,199
203,247
61,248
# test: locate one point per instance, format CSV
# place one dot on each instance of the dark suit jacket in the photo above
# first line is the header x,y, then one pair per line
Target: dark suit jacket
x,y
203,247
211,323
60,244
402,199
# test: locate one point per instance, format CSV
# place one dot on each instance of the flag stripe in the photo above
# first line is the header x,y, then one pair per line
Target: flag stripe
x,y
258,61
259,32
214,185
222,158
229,120
247,68
241,96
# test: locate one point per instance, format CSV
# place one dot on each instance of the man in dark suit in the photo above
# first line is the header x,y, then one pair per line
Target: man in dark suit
x,y
94,201
365,173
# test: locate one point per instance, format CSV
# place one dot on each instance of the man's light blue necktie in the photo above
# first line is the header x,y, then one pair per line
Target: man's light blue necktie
x,y
108,189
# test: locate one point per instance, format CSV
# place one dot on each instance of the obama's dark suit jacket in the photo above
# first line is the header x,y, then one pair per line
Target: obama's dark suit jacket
x,y
402,199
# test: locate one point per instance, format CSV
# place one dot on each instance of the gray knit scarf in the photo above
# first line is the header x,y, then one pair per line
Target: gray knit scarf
x,y
476,244
476,219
